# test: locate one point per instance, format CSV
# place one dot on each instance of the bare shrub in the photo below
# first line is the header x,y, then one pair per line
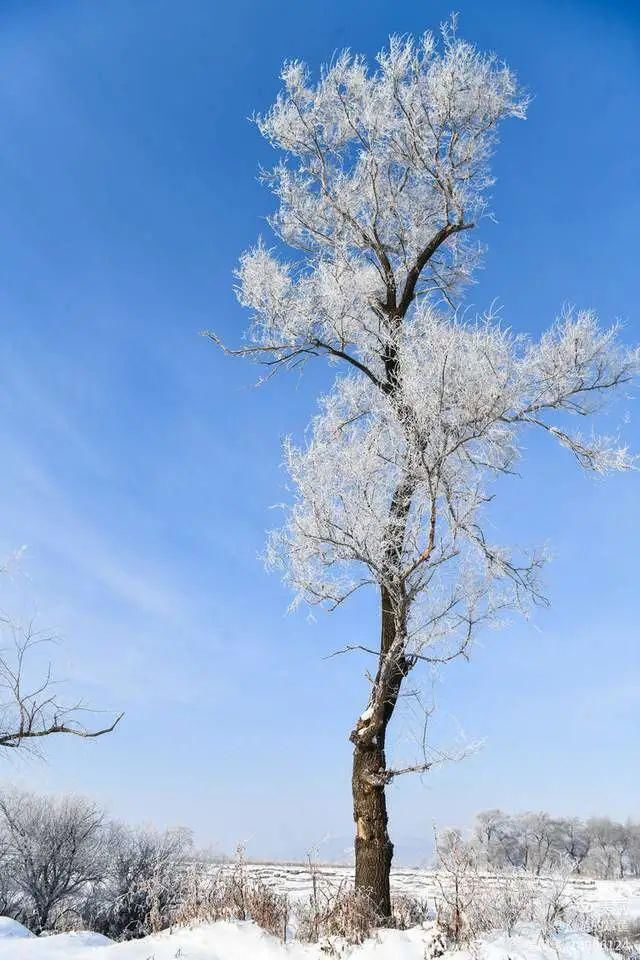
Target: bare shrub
x,y
270,910
140,890
459,886
558,906
408,912
343,913
507,903
471,903
230,893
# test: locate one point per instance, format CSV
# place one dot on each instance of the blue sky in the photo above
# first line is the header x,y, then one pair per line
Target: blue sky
x,y
139,465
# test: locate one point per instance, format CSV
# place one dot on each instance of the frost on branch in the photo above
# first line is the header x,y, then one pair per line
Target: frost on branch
x,y
386,172
391,487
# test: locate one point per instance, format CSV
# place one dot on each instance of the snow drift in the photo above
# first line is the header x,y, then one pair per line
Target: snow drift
x,y
245,941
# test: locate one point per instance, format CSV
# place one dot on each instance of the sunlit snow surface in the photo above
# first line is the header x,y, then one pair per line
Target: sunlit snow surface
x,y
10,929
244,941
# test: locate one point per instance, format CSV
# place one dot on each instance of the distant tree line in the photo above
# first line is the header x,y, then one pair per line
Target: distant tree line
x,y
539,843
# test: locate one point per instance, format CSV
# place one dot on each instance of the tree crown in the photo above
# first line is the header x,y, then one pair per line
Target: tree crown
x,y
386,172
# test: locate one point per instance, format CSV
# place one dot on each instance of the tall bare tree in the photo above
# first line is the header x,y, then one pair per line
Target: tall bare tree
x,y
384,178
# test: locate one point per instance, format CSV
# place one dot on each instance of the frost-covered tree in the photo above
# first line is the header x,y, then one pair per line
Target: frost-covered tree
x,y
539,843
53,851
384,175
140,882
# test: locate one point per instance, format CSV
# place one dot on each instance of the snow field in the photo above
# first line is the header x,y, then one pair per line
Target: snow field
x,y
245,941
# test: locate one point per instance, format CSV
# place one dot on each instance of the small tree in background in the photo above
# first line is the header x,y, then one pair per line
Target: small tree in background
x,y
53,851
384,178
141,881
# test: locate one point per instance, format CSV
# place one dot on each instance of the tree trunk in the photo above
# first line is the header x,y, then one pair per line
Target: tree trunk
x,y
373,847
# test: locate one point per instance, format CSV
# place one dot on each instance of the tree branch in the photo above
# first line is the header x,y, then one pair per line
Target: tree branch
x,y
423,258
29,713
15,738
290,351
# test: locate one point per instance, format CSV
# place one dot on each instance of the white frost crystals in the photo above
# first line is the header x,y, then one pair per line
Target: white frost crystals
x,y
384,176
380,164
464,393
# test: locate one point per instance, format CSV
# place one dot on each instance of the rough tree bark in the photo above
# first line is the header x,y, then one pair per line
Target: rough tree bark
x,y
373,847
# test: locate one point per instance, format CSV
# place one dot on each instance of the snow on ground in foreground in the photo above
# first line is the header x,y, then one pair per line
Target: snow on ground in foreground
x,y
10,929
245,941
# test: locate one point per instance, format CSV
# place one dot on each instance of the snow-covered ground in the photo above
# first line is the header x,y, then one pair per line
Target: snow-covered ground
x,y
244,941
615,898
